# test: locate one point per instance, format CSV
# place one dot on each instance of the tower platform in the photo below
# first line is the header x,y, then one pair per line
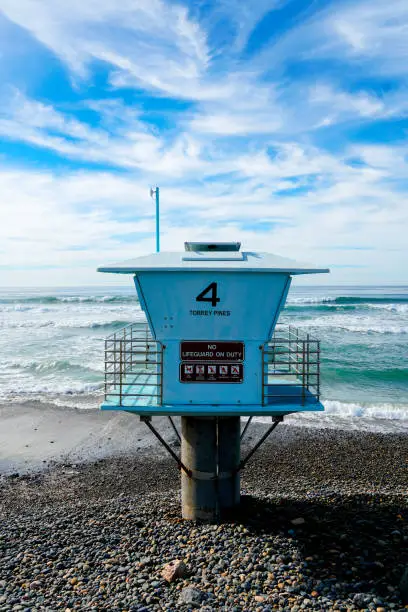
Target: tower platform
x,y
289,375
285,400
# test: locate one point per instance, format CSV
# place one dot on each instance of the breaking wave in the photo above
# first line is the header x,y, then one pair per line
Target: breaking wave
x,y
393,411
51,299
358,416
74,324
343,299
58,365
357,324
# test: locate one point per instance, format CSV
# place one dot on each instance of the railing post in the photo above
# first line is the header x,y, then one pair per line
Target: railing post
x,y
147,345
263,374
297,351
124,349
160,375
303,372
120,371
115,367
105,386
131,348
307,360
289,350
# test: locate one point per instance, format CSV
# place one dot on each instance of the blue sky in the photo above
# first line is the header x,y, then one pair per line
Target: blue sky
x,y
282,124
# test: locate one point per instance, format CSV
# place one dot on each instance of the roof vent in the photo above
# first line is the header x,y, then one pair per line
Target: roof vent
x,y
212,246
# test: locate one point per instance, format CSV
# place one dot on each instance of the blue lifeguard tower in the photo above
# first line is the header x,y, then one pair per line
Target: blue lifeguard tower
x,y
211,351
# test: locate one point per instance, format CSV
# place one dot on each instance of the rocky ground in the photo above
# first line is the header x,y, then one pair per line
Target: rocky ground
x,y
323,526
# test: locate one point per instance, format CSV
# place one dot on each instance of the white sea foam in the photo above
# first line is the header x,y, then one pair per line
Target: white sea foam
x,y
66,324
343,303
358,323
331,305
358,416
397,308
310,300
82,321
52,365
393,411
40,391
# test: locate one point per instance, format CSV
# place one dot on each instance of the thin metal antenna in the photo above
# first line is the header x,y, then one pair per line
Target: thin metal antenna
x,y
155,191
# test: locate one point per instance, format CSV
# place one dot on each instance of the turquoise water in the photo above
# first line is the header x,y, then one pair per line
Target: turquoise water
x,y
51,347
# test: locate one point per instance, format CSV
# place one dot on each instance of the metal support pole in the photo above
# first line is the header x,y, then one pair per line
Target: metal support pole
x,y
229,430
210,449
157,220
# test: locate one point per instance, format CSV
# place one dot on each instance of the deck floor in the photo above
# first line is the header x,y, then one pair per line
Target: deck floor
x,y
137,397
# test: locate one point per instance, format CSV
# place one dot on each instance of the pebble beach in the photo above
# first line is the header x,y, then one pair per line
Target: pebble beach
x,y
322,526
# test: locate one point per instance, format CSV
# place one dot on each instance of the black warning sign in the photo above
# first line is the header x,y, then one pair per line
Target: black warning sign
x,y
211,372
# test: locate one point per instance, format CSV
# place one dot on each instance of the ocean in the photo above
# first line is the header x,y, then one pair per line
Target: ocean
x,y
52,343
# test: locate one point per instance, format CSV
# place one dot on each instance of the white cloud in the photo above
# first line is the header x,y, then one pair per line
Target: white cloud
x,y
235,125
376,31
131,146
151,42
368,34
48,219
346,104
239,160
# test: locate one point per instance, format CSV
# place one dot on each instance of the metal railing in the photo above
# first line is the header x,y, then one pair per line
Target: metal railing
x,y
291,366
133,365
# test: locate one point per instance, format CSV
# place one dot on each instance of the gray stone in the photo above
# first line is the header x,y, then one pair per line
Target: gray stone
x,y
360,599
298,521
36,584
192,597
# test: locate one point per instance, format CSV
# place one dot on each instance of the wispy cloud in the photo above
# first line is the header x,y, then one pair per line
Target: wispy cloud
x,y
149,43
250,117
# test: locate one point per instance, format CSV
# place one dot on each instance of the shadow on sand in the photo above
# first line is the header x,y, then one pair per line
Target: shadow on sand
x,y
352,544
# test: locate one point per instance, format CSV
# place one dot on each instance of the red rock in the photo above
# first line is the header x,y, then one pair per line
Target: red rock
x,y
173,570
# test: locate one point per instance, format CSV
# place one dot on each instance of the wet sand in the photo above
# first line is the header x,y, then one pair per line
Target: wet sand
x,y
35,435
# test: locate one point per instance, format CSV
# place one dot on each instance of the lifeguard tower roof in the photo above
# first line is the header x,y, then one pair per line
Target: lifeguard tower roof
x,y
219,258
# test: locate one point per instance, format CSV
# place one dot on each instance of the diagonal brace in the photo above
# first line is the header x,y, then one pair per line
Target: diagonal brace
x,y
276,421
147,419
174,428
247,424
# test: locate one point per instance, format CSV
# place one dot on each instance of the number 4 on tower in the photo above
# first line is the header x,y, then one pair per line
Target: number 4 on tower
x,y
211,293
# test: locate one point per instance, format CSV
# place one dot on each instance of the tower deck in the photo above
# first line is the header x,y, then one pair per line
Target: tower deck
x,y
290,375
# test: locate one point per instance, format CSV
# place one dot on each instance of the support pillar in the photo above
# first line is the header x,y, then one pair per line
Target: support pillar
x,y
210,448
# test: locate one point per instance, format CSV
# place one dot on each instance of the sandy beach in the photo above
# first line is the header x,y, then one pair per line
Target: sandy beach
x,y
90,515
34,436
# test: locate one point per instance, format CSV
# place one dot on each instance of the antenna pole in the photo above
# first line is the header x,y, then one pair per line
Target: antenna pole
x,y
157,220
